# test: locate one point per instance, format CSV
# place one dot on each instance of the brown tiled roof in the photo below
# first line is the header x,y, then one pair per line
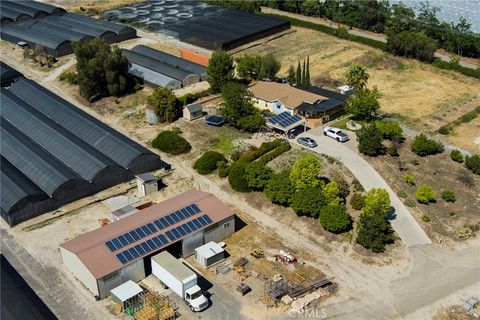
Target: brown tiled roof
x,y
290,96
100,261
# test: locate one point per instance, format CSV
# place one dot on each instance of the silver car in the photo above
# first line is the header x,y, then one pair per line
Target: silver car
x,y
307,142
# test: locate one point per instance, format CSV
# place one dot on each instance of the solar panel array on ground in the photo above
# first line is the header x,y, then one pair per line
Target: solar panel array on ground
x,y
208,26
55,29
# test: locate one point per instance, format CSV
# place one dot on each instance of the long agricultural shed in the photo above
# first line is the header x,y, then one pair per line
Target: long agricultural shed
x,y
53,153
160,69
33,23
8,74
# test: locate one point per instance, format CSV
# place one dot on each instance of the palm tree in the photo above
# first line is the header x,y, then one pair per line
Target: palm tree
x,y
357,77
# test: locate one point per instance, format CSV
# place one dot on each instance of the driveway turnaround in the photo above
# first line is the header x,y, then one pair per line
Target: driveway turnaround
x,y
402,222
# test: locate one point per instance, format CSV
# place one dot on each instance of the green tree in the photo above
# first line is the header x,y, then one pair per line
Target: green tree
x,y
412,45
425,194
357,201
171,142
237,103
377,202
401,19
456,156
220,70
332,193
357,77
374,232
237,178
165,105
269,66
364,105
298,75
308,201
304,73
248,66
335,218
370,141
251,123
448,195
305,172
279,189
423,146
291,75
209,162
307,75
473,163
390,130
258,175
101,69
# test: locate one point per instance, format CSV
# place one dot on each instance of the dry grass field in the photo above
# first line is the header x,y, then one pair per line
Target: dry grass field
x,y
423,96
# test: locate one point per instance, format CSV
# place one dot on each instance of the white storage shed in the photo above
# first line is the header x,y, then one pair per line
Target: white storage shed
x,y
209,254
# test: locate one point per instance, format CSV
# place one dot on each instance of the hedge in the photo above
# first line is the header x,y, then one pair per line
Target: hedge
x,y
264,148
284,147
171,142
208,162
452,65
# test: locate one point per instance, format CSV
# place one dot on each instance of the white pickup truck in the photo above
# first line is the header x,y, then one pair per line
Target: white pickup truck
x,y
178,277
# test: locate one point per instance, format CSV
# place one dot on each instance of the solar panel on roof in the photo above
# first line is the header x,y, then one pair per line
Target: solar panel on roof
x,y
110,245
129,238
207,218
152,244
122,240
195,208
192,226
185,213
134,235
140,232
196,223
151,227
122,258
164,222
145,230
127,255
180,230
134,253
140,249
186,228
158,224
116,243
176,233
181,215
170,235
174,217
163,239
190,210
145,247
158,243
170,220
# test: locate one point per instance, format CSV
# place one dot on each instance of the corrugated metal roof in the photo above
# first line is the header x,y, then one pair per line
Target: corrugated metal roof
x,y
170,60
154,78
16,187
54,138
94,132
33,161
7,73
33,36
78,26
155,65
64,33
43,6
18,6
12,14
107,25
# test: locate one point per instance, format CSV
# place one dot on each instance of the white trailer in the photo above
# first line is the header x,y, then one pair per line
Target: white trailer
x,y
178,277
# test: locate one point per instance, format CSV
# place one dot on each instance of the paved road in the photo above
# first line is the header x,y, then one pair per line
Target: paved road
x,y
403,223
362,33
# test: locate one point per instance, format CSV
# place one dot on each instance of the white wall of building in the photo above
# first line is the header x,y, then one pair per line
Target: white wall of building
x,y
75,266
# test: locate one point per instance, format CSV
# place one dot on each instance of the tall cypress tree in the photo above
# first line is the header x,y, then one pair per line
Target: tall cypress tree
x,y
304,81
298,79
307,75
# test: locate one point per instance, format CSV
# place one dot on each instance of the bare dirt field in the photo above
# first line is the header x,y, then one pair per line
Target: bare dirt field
x,y
441,173
424,96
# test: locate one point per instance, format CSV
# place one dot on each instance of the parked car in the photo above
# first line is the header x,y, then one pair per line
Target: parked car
x,y
336,134
307,142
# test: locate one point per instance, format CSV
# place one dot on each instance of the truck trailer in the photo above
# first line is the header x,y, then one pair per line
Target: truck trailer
x,y
183,281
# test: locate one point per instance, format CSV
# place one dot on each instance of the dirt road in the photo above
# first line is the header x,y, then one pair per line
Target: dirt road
x,y
362,33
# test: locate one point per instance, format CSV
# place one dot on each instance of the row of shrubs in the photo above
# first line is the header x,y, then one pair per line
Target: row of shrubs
x,y
455,65
467,117
343,34
252,155
192,97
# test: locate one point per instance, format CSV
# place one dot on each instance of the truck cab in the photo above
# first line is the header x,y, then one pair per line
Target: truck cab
x,y
195,299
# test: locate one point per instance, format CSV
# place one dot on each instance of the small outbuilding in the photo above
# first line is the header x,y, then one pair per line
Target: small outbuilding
x,y
193,111
209,254
147,183
127,295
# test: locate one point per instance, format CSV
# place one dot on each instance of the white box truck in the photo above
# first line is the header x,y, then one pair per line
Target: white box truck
x,y
178,277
